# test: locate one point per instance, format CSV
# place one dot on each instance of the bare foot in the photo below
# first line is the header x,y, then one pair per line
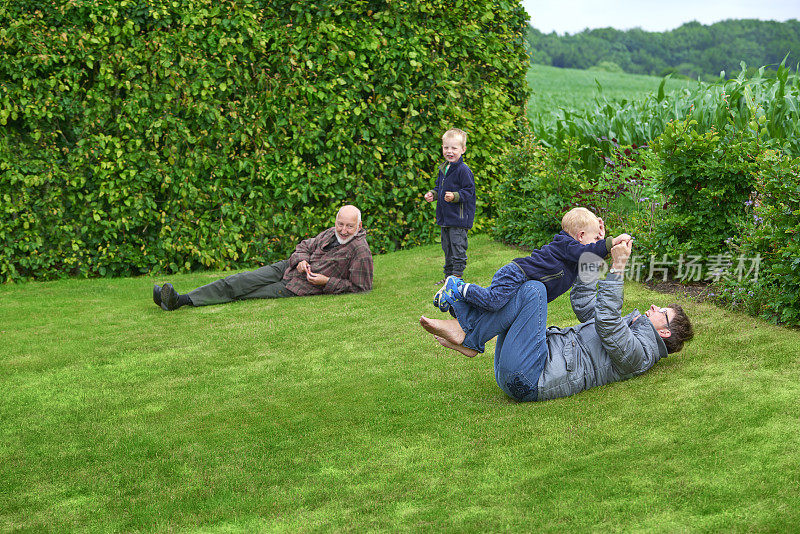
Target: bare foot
x,y
448,329
469,353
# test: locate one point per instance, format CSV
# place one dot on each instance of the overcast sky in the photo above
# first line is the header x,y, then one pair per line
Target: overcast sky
x,y
573,16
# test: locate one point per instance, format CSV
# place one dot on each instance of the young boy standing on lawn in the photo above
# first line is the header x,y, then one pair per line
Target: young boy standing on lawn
x,y
555,265
455,206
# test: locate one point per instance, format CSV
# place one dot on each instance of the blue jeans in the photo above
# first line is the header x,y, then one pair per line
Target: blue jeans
x,y
505,283
520,327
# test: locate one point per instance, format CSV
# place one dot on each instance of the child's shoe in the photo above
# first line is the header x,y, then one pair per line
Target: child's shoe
x,y
440,302
449,293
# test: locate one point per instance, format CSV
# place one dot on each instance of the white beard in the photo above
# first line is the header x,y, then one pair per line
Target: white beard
x,y
341,240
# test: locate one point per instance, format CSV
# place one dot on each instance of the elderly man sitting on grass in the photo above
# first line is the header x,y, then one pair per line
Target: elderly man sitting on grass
x,y
533,362
338,260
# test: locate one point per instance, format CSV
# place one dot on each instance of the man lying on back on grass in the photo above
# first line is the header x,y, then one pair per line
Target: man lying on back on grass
x,y
533,362
338,260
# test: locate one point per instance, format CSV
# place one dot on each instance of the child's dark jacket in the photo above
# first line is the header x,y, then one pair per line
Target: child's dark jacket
x,y
459,180
556,264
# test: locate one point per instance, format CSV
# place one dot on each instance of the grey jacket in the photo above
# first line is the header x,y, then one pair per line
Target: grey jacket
x,y
604,348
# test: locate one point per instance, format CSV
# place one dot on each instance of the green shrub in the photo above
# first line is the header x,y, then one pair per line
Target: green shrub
x,y
172,135
745,295
773,234
627,194
540,184
628,178
706,179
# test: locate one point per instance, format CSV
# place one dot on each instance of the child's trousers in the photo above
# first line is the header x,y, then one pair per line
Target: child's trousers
x,y
505,282
454,245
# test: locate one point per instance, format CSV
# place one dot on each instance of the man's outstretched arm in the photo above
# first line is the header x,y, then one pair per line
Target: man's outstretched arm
x,y
624,349
583,298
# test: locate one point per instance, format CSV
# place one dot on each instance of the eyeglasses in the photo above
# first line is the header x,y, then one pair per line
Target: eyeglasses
x,y
666,317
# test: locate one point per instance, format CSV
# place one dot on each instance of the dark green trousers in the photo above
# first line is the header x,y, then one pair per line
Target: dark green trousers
x,y
264,283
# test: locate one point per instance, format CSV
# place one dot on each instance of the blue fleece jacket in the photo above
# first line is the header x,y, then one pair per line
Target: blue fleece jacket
x,y
459,180
556,264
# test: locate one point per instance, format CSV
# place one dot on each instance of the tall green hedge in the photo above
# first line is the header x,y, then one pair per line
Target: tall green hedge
x,y
159,136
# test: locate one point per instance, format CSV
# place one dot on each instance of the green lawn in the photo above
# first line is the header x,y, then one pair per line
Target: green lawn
x,y
554,88
340,413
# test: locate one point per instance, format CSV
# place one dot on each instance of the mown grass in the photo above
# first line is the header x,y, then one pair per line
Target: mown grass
x,y
553,88
340,413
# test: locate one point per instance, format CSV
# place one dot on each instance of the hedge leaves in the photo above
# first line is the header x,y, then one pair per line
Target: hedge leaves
x,y
145,136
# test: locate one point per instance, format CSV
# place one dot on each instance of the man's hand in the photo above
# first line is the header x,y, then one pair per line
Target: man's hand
x,y
316,278
429,196
620,254
303,267
449,196
620,238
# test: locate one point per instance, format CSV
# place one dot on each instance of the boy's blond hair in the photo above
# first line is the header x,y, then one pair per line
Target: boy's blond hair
x,y
455,132
576,220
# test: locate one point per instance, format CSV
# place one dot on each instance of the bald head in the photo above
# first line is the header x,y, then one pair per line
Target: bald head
x,y
349,211
348,223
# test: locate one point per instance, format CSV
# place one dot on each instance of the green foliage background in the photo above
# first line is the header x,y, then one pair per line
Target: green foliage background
x,y
773,232
540,185
711,195
145,136
707,178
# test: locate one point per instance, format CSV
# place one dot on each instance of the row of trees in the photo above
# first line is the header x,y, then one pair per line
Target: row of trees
x,y
692,50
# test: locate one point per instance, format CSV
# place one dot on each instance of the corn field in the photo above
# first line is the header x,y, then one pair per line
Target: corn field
x,y
768,107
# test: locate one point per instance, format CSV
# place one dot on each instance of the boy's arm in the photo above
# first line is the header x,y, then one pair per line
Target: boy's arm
x,y
433,194
572,249
466,191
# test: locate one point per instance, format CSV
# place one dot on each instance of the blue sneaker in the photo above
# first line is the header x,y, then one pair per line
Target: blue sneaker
x,y
449,293
440,302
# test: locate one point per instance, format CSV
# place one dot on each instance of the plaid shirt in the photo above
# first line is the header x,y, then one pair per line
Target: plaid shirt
x,y
348,266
